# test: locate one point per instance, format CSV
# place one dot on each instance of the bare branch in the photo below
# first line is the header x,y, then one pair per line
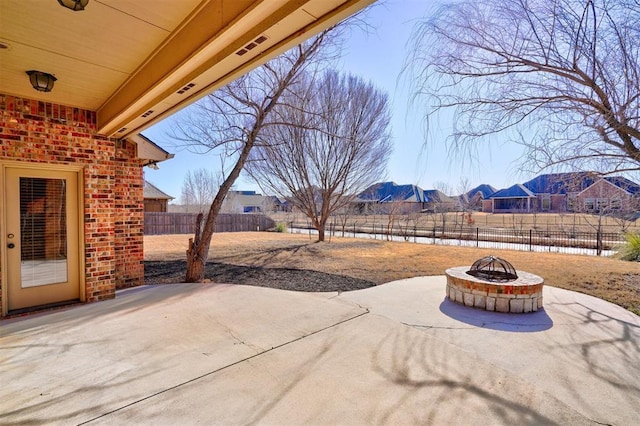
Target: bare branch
x,y
566,71
334,145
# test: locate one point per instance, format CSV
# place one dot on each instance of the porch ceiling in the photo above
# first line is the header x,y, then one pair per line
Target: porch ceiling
x,y
130,59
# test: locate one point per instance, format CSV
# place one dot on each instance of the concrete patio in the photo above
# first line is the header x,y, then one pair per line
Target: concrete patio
x,y
393,354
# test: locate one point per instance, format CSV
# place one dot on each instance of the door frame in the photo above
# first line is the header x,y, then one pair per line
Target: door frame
x,y
78,170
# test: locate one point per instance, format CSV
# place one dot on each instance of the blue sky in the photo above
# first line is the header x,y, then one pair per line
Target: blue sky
x,y
417,158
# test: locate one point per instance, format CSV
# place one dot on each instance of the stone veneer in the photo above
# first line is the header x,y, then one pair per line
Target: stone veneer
x,y
521,295
41,132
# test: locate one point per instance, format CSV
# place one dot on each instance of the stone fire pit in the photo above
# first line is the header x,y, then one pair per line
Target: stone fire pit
x,y
503,293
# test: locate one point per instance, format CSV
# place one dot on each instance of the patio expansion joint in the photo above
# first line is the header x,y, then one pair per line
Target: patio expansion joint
x,y
217,370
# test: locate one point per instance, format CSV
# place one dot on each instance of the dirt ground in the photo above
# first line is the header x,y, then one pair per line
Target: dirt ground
x,y
296,262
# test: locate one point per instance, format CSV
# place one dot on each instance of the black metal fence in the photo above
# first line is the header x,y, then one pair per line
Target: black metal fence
x,y
564,241
184,223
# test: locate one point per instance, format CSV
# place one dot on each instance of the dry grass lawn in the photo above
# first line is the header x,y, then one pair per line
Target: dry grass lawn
x,y
381,261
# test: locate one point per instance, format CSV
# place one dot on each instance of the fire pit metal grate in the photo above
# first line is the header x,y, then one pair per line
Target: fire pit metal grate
x,y
493,269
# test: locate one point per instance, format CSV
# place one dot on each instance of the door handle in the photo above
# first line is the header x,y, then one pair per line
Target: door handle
x,y
11,245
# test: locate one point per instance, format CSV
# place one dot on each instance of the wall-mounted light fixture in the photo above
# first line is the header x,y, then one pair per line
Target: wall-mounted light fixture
x,y
74,5
41,81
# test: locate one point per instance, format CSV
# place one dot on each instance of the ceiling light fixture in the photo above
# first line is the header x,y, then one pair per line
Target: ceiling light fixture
x,y
74,5
41,81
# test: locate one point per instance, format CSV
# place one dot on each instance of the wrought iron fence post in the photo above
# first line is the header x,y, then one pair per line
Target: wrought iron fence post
x,y
530,239
477,237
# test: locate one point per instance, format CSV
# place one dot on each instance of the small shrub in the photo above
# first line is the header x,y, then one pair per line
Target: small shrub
x,y
281,227
630,250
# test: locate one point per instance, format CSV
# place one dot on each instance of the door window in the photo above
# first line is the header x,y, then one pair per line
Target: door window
x,y
43,231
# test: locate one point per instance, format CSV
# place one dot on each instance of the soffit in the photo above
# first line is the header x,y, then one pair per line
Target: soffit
x,y
91,52
128,59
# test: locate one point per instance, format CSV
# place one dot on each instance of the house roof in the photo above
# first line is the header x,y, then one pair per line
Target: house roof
x,y
436,196
152,192
246,198
625,184
561,183
391,191
137,62
276,200
516,191
485,191
148,151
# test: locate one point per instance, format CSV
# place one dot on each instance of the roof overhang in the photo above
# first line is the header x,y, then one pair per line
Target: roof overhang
x,y
148,151
136,62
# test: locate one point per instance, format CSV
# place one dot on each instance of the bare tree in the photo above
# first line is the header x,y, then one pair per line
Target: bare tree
x,y
198,190
329,147
566,73
344,214
440,205
393,210
230,122
465,202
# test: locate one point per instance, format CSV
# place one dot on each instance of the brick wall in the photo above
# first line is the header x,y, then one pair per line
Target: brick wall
x,y
42,132
129,218
604,190
558,202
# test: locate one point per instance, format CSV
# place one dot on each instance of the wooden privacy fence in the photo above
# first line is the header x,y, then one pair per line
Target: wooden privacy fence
x,y
184,223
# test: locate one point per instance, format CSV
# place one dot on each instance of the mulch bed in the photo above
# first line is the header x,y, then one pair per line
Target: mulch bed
x,y
170,272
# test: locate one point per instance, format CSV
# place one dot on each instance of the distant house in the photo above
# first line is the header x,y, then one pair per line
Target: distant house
x,y
386,196
552,190
437,201
154,199
474,198
516,198
243,201
384,192
563,192
246,202
279,204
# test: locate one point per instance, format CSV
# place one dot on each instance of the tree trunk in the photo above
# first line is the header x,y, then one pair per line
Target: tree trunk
x,y
195,268
195,259
320,232
198,250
